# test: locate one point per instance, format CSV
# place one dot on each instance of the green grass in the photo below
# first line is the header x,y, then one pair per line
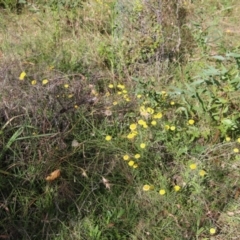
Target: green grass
x,y
163,76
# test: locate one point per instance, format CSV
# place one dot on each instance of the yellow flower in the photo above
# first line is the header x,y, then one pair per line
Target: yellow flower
x,y
75,106
162,192
125,91
44,81
172,103
145,125
228,139
143,109
119,92
34,82
191,122
131,135
236,150
142,145
146,187
202,173
135,133
212,231
66,85
125,157
133,126
110,86
137,156
167,127
157,116
139,96
120,86
172,128
115,103
127,99
107,94
164,93
135,165
177,188
22,75
193,166
238,140
131,163
108,138
70,95
154,123
141,122
150,110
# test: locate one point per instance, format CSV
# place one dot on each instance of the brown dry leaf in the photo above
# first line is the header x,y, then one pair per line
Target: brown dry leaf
x,y
75,143
108,112
230,214
53,175
110,225
145,114
84,173
106,183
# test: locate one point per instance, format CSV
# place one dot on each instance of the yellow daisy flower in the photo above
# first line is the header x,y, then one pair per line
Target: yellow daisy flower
x,y
142,145
108,138
131,163
34,82
191,122
193,166
137,156
146,187
22,75
177,188
133,126
162,192
157,115
202,173
44,81
212,231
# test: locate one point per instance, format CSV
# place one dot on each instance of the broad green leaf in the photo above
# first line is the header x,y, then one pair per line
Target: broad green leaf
x,y
234,55
211,71
218,57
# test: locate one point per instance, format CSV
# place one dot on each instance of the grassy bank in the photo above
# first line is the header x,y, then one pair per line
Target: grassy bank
x,y
119,120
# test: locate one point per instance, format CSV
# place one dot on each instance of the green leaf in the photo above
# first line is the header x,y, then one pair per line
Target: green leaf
x,y
182,109
211,71
218,57
234,55
176,90
198,82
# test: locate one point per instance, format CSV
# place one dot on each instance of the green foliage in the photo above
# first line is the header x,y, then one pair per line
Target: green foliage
x,y
13,5
215,92
68,4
